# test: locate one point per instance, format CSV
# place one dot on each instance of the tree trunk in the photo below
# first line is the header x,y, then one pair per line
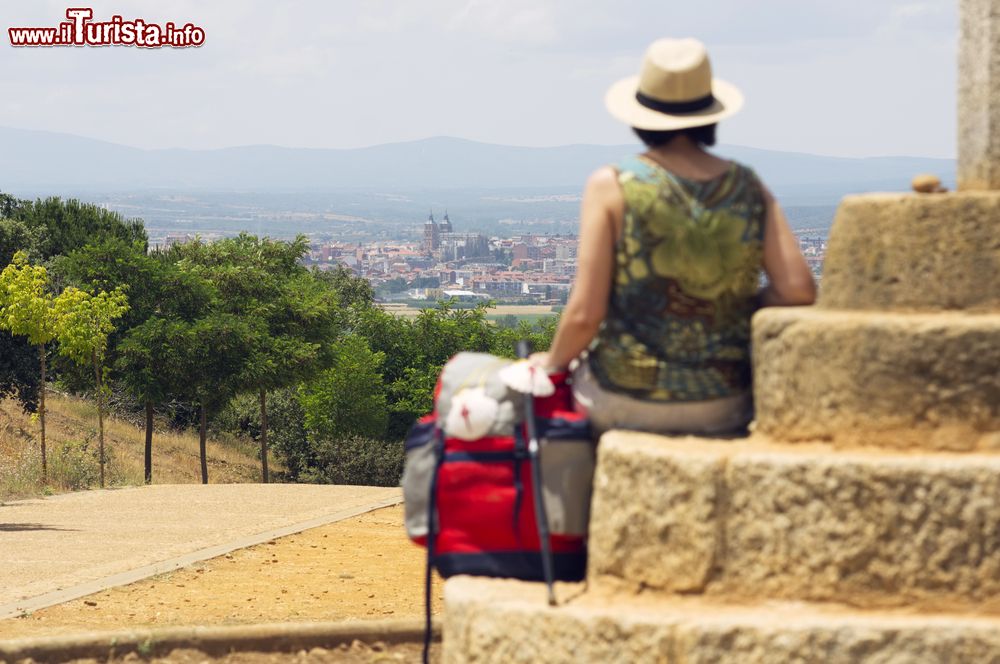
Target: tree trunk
x,y
263,435
41,415
202,433
100,414
149,442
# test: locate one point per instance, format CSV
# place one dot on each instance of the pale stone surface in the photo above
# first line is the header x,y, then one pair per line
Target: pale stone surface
x,y
508,623
979,95
799,521
869,530
927,183
838,642
914,252
654,520
900,380
490,620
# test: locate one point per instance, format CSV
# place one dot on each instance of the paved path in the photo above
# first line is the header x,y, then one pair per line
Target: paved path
x,y
63,547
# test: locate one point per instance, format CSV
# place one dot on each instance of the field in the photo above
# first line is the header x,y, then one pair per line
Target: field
x,y
529,312
71,442
530,318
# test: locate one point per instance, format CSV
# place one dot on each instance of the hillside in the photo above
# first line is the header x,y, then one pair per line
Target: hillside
x,y
71,440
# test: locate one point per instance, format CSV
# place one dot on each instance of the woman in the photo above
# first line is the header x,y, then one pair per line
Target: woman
x,y
672,243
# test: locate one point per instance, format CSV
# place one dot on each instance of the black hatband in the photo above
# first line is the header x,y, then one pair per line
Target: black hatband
x,y
675,107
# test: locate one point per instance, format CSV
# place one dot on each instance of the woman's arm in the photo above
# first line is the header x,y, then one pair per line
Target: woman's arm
x,y
600,218
791,282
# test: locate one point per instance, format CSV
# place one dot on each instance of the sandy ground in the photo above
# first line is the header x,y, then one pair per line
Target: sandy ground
x,y
361,568
73,539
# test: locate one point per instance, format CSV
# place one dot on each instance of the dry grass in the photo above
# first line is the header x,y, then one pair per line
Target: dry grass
x,y
71,442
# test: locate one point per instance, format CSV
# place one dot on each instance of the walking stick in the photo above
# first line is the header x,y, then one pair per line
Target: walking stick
x,y
541,518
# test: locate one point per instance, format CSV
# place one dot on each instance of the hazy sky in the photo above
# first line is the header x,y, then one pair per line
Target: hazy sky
x,y
852,77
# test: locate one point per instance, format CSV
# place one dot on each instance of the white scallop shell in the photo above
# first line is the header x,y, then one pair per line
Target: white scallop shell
x,y
472,414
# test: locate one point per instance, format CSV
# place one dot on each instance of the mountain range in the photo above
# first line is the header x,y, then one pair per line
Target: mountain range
x,y
38,163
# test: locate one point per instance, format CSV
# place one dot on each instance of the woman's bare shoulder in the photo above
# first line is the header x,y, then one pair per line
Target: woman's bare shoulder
x,y
603,177
603,196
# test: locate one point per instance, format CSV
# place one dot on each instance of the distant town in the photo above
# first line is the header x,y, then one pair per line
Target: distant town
x,y
442,263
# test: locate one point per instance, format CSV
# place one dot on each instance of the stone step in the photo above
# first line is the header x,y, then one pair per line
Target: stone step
x,y
755,519
502,621
909,251
864,378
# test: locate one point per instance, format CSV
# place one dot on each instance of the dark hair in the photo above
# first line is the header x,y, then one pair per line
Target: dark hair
x,y
704,135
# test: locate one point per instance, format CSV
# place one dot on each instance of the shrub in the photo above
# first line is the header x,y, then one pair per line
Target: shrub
x,y
348,398
286,436
357,460
75,466
20,468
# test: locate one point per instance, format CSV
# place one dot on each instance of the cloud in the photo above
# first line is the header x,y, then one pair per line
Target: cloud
x,y
922,18
530,72
512,21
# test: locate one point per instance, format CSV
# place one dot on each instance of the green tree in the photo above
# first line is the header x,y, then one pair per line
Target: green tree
x,y
18,359
416,349
83,324
295,316
168,352
425,282
539,335
46,229
301,326
16,236
352,291
348,398
395,285
66,225
27,309
112,262
411,396
163,301
151,365
450,330
18,371
9,205
214,355
508,321
391,335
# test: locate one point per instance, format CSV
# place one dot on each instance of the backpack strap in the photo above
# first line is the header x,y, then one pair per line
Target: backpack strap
x,y
432,528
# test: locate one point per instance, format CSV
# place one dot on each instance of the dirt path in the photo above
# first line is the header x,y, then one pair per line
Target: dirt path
x,y
361,568
63,547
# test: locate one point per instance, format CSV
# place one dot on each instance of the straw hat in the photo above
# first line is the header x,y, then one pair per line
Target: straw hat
x,y
674,89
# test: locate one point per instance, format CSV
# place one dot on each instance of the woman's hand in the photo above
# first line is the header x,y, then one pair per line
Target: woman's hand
x,y
541,360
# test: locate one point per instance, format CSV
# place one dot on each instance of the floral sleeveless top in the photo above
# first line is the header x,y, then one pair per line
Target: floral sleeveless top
x,y
687,271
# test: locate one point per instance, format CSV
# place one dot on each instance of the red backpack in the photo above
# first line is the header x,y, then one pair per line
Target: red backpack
x,y
473,503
